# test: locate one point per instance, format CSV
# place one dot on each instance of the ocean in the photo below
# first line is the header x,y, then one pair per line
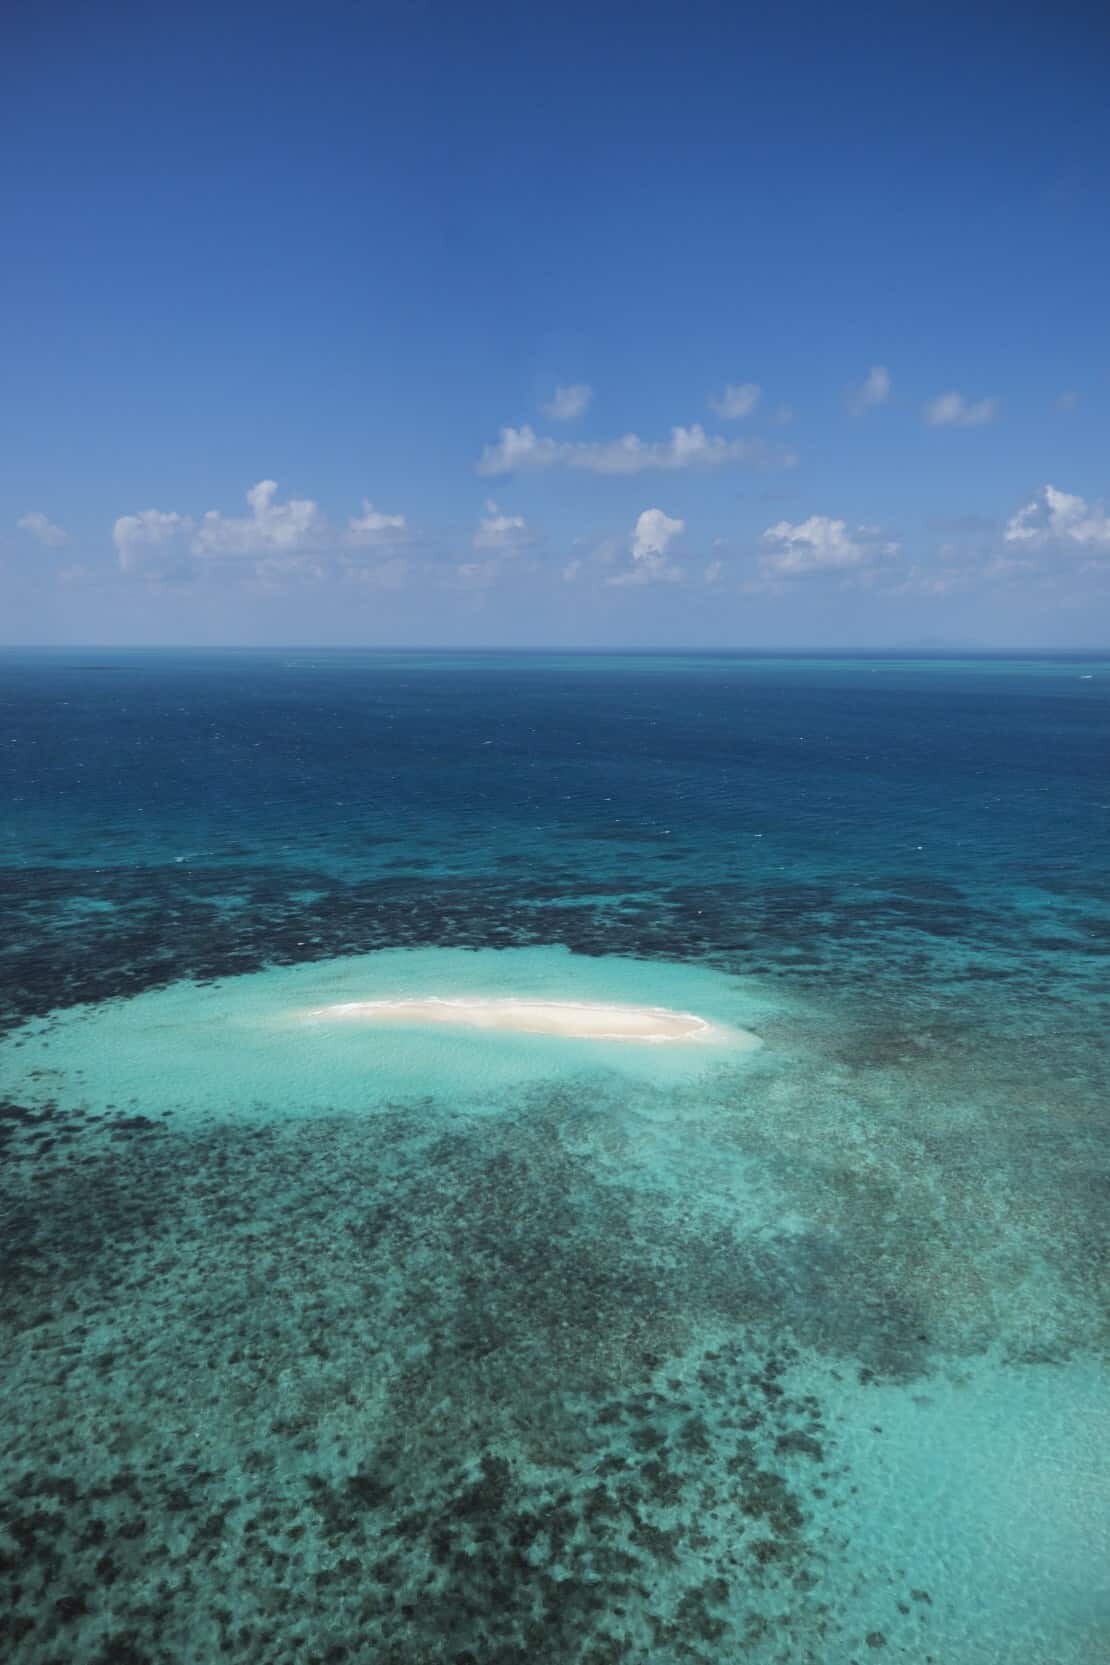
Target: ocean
x,y
404,1341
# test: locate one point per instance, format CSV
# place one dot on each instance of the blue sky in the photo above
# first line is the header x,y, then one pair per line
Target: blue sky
x,y
411,275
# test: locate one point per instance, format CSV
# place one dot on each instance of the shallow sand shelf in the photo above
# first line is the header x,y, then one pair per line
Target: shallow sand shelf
x,y
366,1033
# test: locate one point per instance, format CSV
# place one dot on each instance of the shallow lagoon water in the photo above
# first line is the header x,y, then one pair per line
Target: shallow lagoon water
x,y
339,1344
271,1040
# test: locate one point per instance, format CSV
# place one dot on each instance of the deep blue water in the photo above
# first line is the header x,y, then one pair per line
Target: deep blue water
x,y
908,860
768,810
840,766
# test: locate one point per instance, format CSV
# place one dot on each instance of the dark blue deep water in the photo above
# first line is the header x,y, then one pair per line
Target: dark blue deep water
x,y
567,1399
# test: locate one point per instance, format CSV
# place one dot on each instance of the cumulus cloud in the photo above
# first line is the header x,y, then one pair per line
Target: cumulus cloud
x,y
952,410
295,531
520,449
738,399
1061,518
652,533
372,527
568,402
269,526
143,539
500,531
873,390
821,544
713,572
44,531
650,539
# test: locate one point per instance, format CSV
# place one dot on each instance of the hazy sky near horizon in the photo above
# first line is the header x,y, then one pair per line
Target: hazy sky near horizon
x,y
495,324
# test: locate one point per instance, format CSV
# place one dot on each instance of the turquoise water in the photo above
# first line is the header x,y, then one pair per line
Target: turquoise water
x,y
333,1342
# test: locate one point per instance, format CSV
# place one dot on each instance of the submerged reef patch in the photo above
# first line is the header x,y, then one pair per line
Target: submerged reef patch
x,y
401,1391
494,1386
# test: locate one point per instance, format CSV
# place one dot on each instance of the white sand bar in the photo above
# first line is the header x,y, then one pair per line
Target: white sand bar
x,y
576,1020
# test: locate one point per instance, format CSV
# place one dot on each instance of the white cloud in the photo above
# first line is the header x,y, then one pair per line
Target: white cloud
x,y
44,531
572,569
296,529
1059,517
873,390
374,527
143,538
650,539
519,449
500,531
821,544
738,399
652,533
270,525
952,410
713,572
568,402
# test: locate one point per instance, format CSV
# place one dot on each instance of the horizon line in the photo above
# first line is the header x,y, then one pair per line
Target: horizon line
x,y
898,650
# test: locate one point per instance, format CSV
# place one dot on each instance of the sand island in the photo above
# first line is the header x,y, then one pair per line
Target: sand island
x,y
572,1019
